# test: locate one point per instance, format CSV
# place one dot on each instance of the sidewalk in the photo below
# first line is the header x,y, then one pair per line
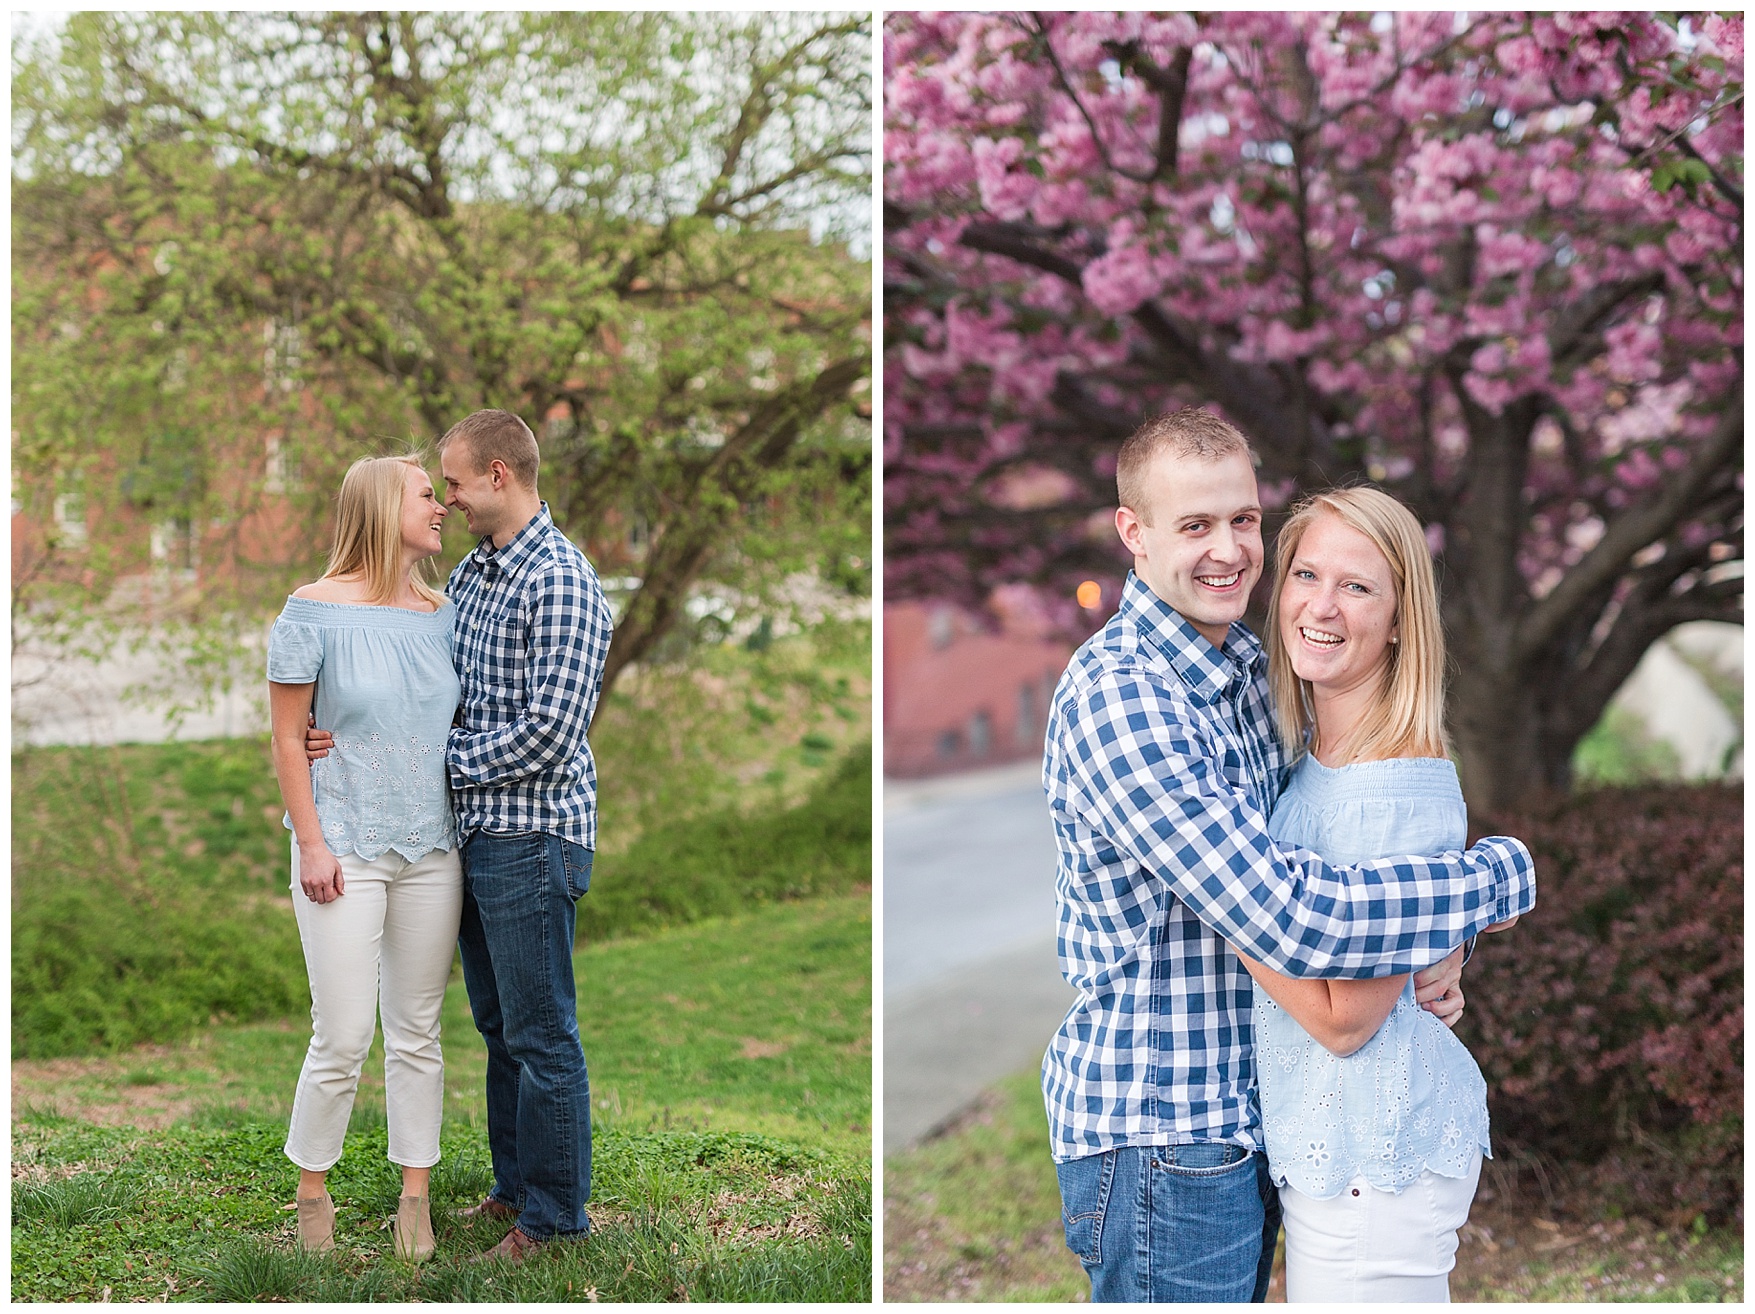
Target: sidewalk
x,y
63,698
972,985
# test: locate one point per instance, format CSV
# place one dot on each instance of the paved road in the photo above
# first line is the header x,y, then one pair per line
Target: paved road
x,y
972,985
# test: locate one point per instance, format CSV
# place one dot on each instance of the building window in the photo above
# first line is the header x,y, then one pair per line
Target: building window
x,y
980,733
281,355
174,544
1026,725
279,473
941,628
949,743
70,530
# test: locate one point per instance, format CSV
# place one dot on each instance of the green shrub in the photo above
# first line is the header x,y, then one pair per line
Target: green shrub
x,y
724,862
1609,1021
149,895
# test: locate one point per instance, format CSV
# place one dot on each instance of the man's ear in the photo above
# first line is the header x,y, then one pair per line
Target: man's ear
x,y
498,472
1128,525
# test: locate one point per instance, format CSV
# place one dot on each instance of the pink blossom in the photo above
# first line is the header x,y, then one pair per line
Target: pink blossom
x,y
1638,470
1119,282
1491,392
1725,31
1006,195
1633,351
1494,234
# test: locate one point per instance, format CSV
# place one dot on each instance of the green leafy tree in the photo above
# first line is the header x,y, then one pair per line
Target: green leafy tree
x,y
248,248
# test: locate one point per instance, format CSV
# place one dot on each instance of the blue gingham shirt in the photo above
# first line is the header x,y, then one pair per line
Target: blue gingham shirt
x,y
1161,768
533,631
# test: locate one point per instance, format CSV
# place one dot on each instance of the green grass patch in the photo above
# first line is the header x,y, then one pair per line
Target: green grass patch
x,y
974,1215
734,728
1619,750
199,1214
150,885
731,1089
754,1023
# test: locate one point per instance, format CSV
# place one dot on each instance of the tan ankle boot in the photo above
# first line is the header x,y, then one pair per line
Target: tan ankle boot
x,y
316,1223
414,1229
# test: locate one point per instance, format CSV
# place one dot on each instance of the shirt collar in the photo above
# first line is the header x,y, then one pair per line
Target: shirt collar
x,y
1206,671
522,544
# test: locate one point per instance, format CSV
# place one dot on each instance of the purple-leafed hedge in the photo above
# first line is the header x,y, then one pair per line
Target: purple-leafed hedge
x,y
1609,1021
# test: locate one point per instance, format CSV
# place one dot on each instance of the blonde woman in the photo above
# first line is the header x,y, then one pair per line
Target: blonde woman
x,y
376,884
1374,1114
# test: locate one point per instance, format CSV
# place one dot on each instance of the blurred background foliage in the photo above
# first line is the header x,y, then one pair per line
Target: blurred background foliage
x,y
250,248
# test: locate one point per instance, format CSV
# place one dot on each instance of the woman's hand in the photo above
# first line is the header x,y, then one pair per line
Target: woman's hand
x,y
1448,1007
319,874
1504,925
1438,988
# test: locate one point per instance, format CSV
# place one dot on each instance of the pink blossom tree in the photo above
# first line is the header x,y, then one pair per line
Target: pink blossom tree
x,y
1491,262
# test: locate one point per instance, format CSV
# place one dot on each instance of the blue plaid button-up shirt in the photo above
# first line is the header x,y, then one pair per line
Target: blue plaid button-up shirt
x,y
533,631
1161,768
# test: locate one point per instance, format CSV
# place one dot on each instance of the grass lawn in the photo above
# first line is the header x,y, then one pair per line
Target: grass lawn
x,y
974,1215
115,1214
731,1097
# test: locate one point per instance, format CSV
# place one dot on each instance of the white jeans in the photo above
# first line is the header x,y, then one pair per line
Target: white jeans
x,y
389,938
1371,1245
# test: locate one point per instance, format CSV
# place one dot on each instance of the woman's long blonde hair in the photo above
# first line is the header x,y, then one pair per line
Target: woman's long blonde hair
x,y
368,528
1408,718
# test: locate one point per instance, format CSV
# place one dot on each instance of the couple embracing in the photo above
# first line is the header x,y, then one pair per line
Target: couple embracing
x,y
1264,901
446,800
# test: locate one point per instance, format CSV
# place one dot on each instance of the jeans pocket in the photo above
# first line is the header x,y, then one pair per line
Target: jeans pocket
x,y
497,866
1206,1159
577,859
1084,1198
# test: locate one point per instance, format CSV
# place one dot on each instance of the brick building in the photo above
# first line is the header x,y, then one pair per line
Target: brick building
x,y
960,694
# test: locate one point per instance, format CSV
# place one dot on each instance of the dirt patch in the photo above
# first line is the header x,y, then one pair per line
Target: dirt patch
x,y
108,1091
763,1049
925,1260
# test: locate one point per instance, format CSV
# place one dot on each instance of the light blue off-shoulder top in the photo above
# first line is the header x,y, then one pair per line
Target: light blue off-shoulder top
x,y
1410,1098
387,691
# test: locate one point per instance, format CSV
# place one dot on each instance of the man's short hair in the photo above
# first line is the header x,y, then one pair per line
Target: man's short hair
x,y
497,436
1187,432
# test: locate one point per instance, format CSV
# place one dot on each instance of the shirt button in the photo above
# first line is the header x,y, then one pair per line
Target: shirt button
x,y
1355,1190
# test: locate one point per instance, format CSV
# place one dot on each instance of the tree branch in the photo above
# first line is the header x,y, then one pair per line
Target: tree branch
x,y
1627,534
1013,241
1090,123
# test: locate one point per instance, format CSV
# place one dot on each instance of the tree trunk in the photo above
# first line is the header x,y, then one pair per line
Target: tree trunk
x,y
1504,732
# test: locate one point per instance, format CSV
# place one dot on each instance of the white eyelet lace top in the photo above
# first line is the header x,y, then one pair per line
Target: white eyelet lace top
x,y
386,689
1411,1098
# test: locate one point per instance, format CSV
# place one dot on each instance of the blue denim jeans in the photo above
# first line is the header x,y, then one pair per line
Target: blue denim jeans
x,y
516,938
1172,1222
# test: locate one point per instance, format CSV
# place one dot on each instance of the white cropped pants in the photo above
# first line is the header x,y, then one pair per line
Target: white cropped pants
x,y
387,943
1369,1245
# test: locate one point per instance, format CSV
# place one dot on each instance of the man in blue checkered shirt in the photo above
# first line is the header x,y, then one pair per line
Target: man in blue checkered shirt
x,y
1162,765
533,631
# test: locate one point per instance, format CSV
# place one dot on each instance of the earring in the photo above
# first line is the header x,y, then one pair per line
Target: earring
x,y
1394,640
